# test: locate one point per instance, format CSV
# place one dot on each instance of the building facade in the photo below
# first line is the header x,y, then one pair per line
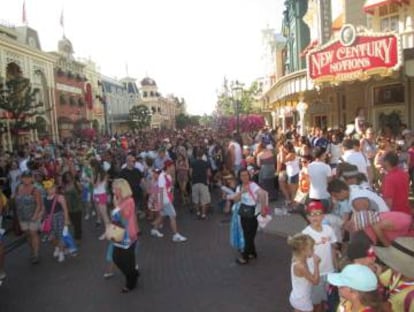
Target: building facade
x,y
21,57
367,63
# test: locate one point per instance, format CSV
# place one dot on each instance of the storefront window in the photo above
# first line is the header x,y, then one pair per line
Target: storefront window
x,y
321,121
391,94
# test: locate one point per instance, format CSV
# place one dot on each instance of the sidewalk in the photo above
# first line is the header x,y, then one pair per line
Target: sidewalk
x,y
284,225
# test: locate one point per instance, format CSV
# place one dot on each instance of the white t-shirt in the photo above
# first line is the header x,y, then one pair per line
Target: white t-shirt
x,y
336,151
319,172
358,159
323,247
376,202
246,197
100,188
162,183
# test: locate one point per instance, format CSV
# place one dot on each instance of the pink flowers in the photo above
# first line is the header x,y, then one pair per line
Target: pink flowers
x,y
247,123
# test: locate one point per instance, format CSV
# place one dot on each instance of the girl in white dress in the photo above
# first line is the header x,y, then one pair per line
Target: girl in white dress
x,y
304,272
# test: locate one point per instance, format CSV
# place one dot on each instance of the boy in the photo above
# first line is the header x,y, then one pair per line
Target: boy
x,y
325,240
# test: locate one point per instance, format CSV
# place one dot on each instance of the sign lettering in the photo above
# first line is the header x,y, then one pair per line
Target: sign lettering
x,y
367,55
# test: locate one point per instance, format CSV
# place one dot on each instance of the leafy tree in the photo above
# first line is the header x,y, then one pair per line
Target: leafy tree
x,y
226,104
19,101
182,121
139,117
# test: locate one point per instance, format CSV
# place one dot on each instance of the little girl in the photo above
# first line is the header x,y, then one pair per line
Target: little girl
x,y
302,275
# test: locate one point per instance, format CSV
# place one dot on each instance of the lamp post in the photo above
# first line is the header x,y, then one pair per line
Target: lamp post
x,y
302,107
237,93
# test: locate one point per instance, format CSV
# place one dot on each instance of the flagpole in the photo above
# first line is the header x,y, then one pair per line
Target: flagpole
x,y
62,22
24,16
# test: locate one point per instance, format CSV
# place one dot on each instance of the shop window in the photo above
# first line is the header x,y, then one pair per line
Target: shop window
x,y
320,121
389,17
391,94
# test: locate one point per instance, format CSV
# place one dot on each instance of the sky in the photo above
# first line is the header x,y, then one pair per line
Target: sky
x,y
186,46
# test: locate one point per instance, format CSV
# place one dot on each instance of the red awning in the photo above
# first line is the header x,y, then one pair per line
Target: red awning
x,y
370,5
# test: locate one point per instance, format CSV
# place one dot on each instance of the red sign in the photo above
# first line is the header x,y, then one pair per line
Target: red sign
x,y
354,56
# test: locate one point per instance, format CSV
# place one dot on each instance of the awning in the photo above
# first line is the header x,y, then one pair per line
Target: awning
x,y
370,5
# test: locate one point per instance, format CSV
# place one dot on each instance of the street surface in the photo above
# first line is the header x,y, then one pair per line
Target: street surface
x,y
199,275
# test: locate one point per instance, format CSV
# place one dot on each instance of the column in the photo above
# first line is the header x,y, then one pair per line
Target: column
x,y
302,107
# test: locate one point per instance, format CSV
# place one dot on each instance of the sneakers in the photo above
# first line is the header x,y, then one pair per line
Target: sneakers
x,y
102,237
108,275
61,256
178,238
156,233
56,252
87,217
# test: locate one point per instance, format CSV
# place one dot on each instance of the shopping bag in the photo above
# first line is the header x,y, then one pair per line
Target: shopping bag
x,y
69,241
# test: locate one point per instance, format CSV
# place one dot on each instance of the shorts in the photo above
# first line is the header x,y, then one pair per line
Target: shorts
x,y
301,304
200,194
318,293
293,179
100,199
168,210
33,226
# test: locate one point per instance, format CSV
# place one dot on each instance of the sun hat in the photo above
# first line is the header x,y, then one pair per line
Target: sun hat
x,y
399,256
314,207
355,276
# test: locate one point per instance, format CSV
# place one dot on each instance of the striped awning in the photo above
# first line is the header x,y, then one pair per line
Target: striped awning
x,y
370,5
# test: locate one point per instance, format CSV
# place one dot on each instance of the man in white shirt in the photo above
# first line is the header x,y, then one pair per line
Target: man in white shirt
x,y
355,157
235,154
319,175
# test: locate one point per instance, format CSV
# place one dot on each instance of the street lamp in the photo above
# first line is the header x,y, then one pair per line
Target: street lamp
x,y
237,93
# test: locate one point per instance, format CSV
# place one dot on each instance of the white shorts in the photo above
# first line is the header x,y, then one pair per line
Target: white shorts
x,y
302,304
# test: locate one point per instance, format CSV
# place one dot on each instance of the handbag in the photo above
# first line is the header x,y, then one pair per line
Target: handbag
x,y
46,226
115,232
246,211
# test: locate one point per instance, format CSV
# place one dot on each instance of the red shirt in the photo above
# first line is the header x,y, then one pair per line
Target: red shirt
x,y
395,186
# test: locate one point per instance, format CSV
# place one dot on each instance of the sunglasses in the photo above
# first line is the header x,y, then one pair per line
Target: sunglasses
x,y
315,214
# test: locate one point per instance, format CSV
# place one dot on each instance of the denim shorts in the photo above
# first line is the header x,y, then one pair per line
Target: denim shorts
x,y
293,179
168,210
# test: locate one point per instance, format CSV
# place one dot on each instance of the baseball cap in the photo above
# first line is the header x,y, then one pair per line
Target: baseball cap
x,y
315,207
355,276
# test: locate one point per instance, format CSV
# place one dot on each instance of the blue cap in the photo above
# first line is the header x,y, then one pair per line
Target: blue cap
x,y
355,276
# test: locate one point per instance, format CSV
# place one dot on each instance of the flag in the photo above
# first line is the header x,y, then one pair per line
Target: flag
x,y
24,17
61,19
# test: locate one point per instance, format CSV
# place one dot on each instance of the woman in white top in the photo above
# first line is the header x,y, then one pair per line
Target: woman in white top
x,y
100,196
291,160
303,273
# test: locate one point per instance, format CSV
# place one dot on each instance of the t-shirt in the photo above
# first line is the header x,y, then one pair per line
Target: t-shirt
x,y
162,184
199,171
376,203
249,198
395,185
323,247
319,172
358,159
237,152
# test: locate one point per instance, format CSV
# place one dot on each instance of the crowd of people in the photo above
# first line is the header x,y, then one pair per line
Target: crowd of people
x,y
352,189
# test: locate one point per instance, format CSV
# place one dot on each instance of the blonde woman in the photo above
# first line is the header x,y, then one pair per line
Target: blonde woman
x,y
124,215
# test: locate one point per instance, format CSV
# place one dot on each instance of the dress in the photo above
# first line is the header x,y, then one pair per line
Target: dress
x,y
267,176
25,206
300,296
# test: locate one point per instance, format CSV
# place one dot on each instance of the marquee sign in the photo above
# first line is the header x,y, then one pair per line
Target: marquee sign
x,y
354,56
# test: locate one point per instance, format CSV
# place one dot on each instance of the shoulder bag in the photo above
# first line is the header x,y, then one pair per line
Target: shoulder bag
x,y
47,222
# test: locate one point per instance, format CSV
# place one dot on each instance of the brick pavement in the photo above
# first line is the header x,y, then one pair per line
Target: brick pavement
x,y
199,275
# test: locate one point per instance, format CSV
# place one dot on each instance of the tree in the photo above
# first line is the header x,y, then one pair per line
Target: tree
x,y
19,101
139,117
225,101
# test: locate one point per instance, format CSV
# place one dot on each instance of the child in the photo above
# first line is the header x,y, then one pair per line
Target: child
x,y
325,239
357,289
301,275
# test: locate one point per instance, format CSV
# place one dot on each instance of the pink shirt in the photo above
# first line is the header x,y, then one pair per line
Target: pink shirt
x,y
127,208
401,226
